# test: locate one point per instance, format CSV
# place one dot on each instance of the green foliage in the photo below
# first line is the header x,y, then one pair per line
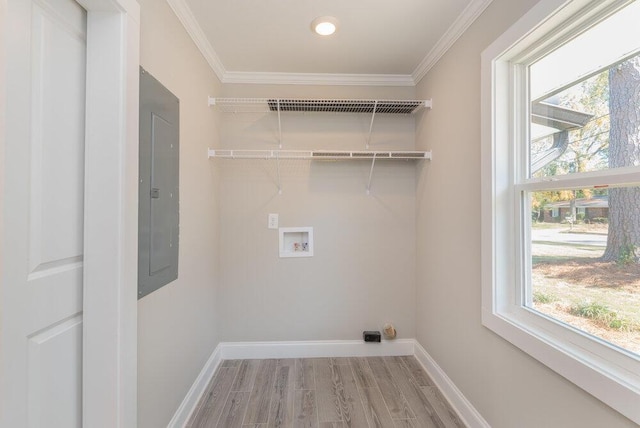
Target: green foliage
x,y
540,297
627,255
600,220
616,324
537,215
601,315
591,310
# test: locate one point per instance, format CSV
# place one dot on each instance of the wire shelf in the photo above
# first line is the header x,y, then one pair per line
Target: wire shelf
x,y
280,105
257,105
319,155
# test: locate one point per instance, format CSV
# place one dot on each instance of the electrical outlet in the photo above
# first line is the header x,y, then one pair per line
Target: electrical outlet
x,y
371,336
273,221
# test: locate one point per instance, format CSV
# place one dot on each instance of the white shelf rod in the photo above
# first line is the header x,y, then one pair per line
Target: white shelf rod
x,y
319,154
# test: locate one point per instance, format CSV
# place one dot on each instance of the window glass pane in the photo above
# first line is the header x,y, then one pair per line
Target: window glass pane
x,y
608,42
585,108
584,261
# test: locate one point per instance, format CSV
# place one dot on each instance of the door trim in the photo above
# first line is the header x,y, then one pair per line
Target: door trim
x,y
111,162
3,97
111,214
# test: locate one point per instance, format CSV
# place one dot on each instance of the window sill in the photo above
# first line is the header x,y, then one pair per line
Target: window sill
x,y
613,385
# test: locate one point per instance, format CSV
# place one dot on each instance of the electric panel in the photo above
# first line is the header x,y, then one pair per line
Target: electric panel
x,y
158,207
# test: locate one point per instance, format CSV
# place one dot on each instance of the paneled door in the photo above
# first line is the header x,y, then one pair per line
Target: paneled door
x,y
42,321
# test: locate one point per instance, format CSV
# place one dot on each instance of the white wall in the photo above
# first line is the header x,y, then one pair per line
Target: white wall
x,y
363,270
506,386
177,328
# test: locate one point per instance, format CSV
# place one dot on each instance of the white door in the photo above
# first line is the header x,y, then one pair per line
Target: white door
x,y
43,214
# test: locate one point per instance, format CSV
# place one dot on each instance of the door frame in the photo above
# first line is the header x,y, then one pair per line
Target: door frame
x,y
110,211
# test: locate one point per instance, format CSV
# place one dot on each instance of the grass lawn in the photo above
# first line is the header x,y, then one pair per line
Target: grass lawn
x,y
573,286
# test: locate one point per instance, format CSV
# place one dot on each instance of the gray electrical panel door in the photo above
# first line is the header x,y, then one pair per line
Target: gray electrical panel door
x,y
158,215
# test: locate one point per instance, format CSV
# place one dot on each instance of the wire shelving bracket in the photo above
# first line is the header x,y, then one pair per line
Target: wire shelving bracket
x,y
280,105
320,155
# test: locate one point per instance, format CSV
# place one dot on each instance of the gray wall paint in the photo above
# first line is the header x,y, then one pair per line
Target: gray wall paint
x,y
363,270
176,324
506,386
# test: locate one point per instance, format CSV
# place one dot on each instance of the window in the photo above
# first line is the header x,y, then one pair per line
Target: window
x,y
561,193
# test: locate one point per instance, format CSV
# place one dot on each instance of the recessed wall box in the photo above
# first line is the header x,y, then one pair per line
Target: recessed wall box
x,y
371,336
296,241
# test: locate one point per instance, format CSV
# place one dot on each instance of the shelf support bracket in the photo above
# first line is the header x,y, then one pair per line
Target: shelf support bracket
x,y
279,127
373,116
278,170
373,163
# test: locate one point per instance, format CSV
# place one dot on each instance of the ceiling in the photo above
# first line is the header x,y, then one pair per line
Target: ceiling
x,y
392,42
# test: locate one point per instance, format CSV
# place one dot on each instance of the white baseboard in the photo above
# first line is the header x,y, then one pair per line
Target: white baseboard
x,y
326,348
469,415
313,349
188,405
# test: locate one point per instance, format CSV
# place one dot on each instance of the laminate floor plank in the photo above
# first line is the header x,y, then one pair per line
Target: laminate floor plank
x,y
305,412
328,386
337,392
405,423
442,409
393,397
234,410
350,402
424,411
418,373
375,409
340,361
281,412
304,375
362,371
247,371
393,359
260,399
288,362
214,398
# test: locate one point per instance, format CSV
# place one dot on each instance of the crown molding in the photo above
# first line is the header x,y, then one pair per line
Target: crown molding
x,y
459,26
189,22
319,79
464,20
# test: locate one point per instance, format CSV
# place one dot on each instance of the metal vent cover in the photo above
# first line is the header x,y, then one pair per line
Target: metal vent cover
x,y
417,155
346,106
330,154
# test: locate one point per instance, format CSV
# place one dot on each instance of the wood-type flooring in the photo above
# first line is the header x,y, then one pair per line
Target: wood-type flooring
x,y
374,392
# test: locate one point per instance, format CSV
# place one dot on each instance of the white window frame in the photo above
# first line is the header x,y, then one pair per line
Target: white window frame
x,y
608,373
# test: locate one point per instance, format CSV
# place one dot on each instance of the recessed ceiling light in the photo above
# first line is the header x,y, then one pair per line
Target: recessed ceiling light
x,y
324,25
